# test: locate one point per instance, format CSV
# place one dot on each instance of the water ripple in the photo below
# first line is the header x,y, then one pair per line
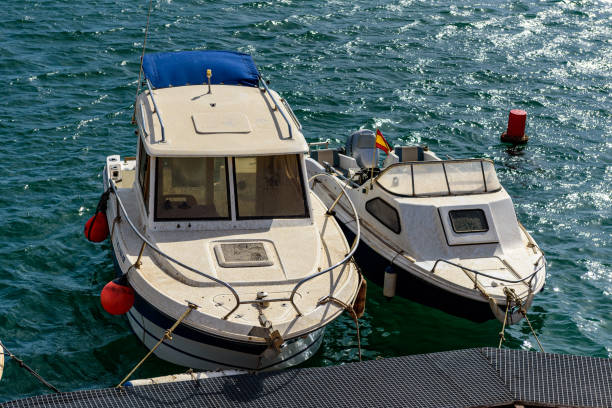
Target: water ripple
x,y
422,71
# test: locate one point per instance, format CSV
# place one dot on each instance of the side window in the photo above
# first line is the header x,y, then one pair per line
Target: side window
x,y
384,213
144,169
465,221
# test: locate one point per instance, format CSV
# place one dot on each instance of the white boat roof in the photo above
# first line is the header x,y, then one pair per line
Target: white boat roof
x,y
232,120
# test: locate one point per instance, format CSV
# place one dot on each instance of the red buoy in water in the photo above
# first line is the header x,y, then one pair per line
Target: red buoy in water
x,y
516,127
96,228
117,297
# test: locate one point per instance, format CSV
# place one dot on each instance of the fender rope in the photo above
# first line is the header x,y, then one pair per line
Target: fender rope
x,y
349,309
101,208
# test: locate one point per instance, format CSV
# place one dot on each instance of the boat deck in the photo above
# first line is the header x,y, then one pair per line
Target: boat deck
x,y
465,378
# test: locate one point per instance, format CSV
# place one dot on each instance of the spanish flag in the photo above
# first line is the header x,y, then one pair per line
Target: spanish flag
x,y
381,143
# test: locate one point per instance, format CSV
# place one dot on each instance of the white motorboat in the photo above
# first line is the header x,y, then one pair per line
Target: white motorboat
x,y
214,220
441,232
1,359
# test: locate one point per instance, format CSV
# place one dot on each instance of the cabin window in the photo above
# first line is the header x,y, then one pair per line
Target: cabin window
x,y
269,187
385,213
464,221
191,188
144,168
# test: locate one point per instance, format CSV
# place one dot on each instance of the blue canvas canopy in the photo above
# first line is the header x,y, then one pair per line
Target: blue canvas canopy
x,y
189,68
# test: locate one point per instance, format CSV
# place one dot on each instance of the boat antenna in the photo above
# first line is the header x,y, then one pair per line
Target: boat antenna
x,y
144,46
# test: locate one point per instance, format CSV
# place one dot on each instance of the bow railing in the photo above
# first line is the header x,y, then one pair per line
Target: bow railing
x,y
529,278
122,213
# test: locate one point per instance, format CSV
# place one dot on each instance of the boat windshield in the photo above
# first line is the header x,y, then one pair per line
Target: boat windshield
x,y
269,187
440,178
191,188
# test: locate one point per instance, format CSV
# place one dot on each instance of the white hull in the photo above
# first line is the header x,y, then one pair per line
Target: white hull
x,y
198,355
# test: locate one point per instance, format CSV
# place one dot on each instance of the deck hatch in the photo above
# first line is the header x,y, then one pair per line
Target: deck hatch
x,y
241,254
221,122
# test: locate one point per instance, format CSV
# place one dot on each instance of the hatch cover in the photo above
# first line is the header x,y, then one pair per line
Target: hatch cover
x,y
221,122
241,254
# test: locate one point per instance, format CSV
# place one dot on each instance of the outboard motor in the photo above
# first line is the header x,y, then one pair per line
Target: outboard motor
x,y
360,146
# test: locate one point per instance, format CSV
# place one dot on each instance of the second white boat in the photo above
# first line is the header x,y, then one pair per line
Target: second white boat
x,y
441,232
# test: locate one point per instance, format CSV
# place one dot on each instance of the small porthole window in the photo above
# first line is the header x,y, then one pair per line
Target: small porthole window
x,y
466,221
385,213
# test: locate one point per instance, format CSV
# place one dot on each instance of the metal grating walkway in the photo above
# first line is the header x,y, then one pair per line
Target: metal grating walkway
x,y
464,378
543,378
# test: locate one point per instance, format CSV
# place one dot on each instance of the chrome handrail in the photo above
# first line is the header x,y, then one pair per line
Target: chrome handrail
x,y
142,119
168,257
161,122
295,119
277,107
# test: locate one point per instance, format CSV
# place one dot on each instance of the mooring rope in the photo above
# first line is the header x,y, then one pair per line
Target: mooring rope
x,y
167,336
144,46
28,368
511,295
524,313
351,311
503,329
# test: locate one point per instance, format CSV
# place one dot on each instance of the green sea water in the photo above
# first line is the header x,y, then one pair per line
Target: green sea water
x,y
441,74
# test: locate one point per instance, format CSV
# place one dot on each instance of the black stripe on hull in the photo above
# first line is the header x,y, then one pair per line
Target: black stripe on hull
x,y
162,320
177,350
413,288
